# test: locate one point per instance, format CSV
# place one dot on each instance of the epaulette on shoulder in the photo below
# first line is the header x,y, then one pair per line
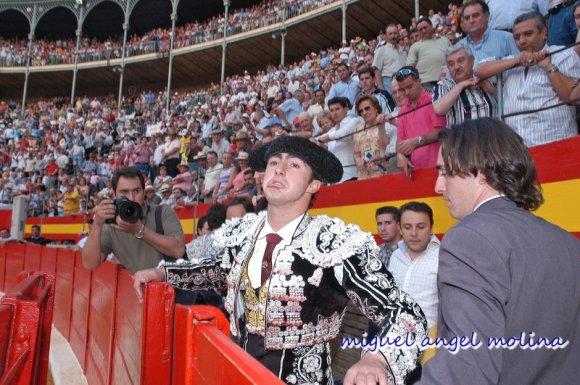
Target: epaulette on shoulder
x,y
235,230
330,241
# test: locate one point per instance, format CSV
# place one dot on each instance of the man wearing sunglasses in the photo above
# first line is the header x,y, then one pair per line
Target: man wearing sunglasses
x,y
418,125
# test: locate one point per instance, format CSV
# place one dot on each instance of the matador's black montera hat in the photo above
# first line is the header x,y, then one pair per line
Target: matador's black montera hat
x,y
325,166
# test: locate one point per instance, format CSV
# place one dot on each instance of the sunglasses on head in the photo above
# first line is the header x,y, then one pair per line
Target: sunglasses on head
x,y
404,72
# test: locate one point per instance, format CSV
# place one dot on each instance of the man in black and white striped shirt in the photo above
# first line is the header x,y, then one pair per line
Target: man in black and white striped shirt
x,y
463,96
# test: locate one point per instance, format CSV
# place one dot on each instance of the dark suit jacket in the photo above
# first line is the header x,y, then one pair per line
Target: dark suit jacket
x,y
504,271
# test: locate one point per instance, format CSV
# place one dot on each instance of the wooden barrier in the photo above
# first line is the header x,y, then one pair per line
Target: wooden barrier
x,y
80,310
116,339
14,264
101,324
151,323
65,263
204,354
30,305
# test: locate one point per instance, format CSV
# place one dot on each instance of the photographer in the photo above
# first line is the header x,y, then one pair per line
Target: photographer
x,y
120,228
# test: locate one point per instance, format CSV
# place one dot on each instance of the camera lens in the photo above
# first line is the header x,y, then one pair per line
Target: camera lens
x,y
129,211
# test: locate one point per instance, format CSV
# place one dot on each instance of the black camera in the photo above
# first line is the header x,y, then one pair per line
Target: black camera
x,y
128,210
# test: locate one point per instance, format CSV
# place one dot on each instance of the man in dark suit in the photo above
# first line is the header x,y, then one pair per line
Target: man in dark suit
x,y
504,273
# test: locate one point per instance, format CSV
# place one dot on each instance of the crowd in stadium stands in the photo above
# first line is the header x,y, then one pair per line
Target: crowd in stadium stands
x,y
348,98
14,52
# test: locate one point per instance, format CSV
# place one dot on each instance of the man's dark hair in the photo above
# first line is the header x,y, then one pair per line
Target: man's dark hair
x,y
320,90
200,222
248,206
424,20
249,171
417,207
35,227
367,70
129,173
394,211
536,16
484,6
215,216
212,152
491,147
342,100
342,64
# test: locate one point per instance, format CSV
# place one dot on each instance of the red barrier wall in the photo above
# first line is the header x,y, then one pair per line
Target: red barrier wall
x,y
80,310
157,336
32,301
6,314
33,254
2,268
150,322
14,264
101,323
65,264
205,355
48,260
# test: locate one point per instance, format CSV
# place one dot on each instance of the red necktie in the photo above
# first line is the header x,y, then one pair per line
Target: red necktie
x,y
272,240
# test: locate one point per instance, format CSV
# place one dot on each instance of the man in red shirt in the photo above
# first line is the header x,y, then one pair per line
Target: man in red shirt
x,y
51,171
418,125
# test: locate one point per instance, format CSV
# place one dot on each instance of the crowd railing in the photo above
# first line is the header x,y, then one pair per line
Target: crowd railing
x,y
149,43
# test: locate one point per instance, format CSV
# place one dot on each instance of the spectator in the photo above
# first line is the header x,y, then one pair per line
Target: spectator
x,y
239,207
534,79
151,199
562,29
428,54
71,199
36,237
366,76
346,86
340,137
504,14
170,153
370,140
218,143
463,96
388,58
485,43
137,245
414,264
418,129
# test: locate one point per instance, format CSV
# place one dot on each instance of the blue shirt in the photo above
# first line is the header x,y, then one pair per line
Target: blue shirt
x,y
495,45
502,13
349,90
291,107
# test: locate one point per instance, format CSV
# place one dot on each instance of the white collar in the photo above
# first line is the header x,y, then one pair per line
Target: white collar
x,y
286,232
487,200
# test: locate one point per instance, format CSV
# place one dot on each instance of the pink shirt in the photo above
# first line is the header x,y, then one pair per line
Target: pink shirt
x,y
417,123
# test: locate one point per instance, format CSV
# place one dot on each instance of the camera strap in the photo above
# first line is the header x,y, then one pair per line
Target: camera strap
x,y
159,230
159,227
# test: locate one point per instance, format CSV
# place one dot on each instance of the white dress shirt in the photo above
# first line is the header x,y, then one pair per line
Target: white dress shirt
x,y
255,264
418,277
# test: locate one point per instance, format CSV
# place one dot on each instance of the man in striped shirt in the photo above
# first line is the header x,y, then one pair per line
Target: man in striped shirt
x,y
463,96
536,79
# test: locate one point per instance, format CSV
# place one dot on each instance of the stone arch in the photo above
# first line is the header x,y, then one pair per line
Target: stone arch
x,y
59,22
14,24
104,20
